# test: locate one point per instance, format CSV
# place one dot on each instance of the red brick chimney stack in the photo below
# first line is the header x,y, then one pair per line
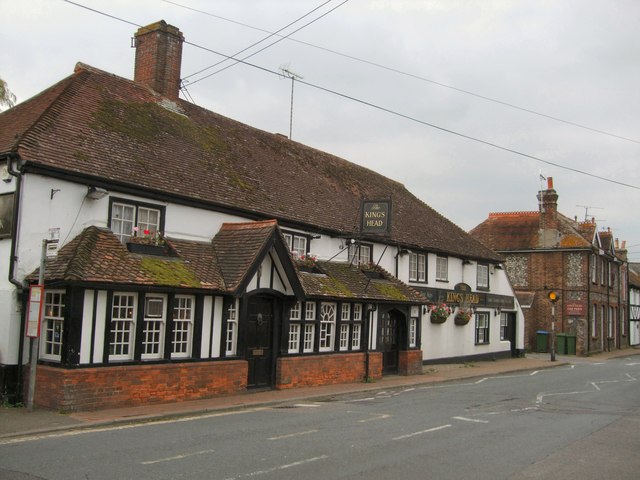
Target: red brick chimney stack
x,y
548,201
158,58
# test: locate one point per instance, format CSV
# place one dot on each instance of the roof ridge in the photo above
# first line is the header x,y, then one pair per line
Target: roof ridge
x,y
521,213
248,225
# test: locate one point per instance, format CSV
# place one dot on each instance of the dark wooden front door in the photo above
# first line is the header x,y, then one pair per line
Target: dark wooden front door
x,y
389,341
259,351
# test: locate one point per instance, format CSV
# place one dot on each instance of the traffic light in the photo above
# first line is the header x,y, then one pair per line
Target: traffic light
x,y
553,296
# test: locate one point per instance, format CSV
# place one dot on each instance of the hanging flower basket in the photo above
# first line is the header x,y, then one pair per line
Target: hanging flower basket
x,y
463,315
440,313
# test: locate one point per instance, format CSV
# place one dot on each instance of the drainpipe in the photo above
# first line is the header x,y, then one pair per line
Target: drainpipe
x,y
13,258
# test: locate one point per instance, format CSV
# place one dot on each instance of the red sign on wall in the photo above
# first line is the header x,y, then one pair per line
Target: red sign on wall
x,y
575,309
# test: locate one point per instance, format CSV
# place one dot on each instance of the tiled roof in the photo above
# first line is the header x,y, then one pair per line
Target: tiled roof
x,y
634,274
124,136
97,256
238,246
343,280
511,231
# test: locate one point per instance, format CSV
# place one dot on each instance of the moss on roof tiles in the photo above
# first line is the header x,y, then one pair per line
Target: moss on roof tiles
x,y
172,273
333,287
389,290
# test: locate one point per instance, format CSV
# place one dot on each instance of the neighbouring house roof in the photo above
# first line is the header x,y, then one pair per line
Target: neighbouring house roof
x,y
101,129
634,275
510,231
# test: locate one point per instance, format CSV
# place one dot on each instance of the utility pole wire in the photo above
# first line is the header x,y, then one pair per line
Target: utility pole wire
x,y
422,122
499,147
417,77
259,41
270,45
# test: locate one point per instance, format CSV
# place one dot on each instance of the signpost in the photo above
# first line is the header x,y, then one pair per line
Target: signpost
x,y
553,297
36,301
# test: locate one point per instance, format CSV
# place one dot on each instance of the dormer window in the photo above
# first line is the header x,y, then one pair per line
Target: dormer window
x,y
360,253
297,244
128,218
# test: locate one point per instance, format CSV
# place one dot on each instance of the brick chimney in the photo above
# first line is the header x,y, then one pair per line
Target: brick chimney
x,y
548,202
158,58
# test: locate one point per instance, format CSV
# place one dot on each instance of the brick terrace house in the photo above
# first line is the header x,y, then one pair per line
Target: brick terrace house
x,y
190,255
546,251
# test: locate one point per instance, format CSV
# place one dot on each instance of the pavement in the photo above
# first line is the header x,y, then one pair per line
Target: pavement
x,y
18,421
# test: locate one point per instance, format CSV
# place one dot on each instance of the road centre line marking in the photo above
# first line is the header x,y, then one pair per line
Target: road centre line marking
x,y
533,373
475,420
289,435
176,457
278,468
308,405
409,435
380,416
595,386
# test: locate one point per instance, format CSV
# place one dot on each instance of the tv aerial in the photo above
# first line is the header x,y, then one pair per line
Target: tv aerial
x,y
288,73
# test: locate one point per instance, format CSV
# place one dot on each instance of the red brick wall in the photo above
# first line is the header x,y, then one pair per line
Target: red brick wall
x,y
132,385
410,362
316,370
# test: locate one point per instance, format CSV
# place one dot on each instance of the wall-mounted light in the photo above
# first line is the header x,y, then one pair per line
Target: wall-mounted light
x,y
497,311
96,193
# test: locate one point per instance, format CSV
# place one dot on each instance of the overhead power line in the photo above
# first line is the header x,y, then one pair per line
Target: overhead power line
x,y
391,112
263,39
273,43
414,76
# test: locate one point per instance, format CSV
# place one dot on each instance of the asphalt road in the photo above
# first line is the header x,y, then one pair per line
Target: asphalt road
x,y
582,420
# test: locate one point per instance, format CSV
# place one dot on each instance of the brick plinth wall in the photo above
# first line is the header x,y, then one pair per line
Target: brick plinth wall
x,y
410,362
326,369
132,385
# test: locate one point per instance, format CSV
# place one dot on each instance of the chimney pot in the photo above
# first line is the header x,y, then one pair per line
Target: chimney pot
x,y
550,183
159,57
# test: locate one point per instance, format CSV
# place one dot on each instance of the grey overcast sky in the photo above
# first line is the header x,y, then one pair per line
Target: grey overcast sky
x,y
421,69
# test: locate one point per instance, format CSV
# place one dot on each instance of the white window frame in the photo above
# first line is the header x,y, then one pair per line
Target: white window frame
x,y
504,326
594,268
231,335
328,313
295,314
356,327
417,267
413,332
344,337
128,324
153,329
482,276
52,325
309,337
594,320
442,268
134,218
360,252
183,317
482,330
297,244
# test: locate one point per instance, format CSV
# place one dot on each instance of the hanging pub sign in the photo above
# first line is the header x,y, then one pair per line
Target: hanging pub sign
x,y
376,217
